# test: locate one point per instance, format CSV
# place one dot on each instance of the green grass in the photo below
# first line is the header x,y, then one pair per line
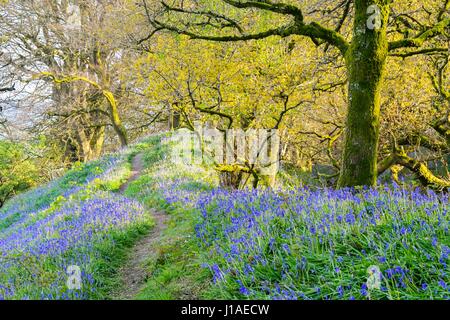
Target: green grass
x,y
113,255
298,262
45,195
9,221
175,269
181,266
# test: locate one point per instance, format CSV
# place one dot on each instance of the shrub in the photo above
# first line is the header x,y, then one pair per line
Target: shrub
x,y
17,171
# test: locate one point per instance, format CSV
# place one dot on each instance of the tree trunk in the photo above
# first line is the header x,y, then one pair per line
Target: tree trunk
x,y
97,142
90,143
425,176
230,180
231,176
174,118
366,59
442,126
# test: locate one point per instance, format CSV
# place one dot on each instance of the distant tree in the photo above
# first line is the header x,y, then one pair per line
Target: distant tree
x,y
228,90
65,53
17,171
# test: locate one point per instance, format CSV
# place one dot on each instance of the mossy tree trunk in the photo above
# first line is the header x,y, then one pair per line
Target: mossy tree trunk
x,y
442,126
366,59
230,180
117,124
399,159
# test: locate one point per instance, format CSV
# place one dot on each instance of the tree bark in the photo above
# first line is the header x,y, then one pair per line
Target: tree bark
x,y
366,59
174,117
89,143
119,128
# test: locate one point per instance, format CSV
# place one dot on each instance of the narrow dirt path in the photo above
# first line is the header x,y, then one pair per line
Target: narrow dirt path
x,y
133,274
137,167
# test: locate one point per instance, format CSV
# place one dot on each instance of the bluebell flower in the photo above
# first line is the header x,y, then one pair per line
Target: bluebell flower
x,y
340,291
286,248
363,290
350,218
434,242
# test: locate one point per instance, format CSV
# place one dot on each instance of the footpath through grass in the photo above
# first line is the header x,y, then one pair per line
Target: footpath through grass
x,y
174,270
76,227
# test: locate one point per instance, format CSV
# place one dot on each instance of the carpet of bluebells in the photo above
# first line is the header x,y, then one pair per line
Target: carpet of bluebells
x,y
323,244
258,244
71,183
316,244
69,222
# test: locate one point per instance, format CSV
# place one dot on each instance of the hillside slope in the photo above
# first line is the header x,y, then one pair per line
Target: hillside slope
x,y
292,243
78,220
384,243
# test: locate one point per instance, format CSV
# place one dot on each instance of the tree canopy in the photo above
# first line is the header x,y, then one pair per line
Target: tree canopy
x,y
355,88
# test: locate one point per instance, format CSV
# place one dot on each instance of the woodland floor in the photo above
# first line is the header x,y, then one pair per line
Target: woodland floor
x,y
133,274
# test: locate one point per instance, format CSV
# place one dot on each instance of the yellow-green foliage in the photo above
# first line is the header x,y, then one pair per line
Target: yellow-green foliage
x,y
17,171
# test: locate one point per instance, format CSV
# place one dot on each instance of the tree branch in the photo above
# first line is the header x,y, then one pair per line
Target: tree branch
x,y
312,30
281,8
399,156
420,39
427,51
113,114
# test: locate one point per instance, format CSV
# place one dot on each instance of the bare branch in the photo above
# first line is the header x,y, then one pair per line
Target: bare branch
x,y
313,30
420,39
428,51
